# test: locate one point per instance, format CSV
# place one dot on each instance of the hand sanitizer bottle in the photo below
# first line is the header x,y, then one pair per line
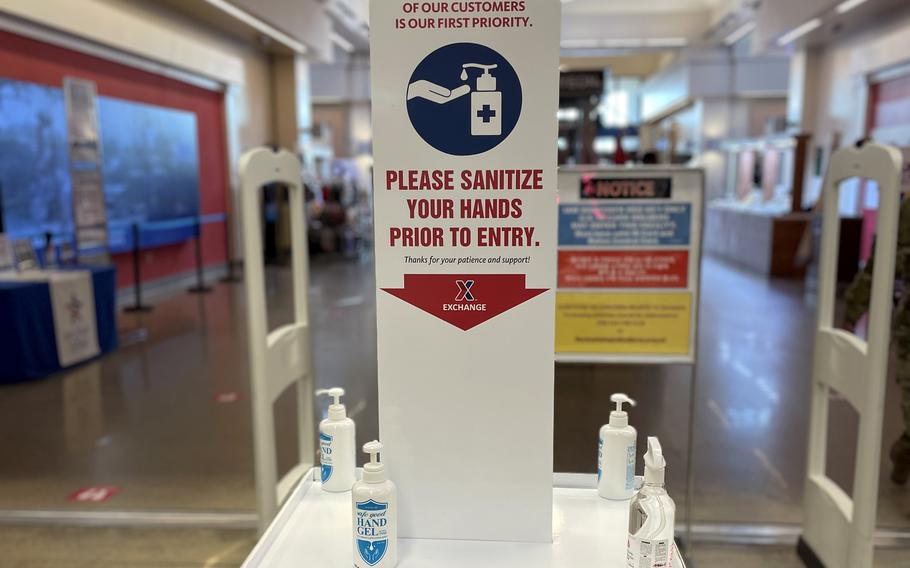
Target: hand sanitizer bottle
x,y
616,454
486,102
652,515
375,506
337,446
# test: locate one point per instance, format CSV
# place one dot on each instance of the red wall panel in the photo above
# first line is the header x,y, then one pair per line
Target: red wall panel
x,y
24,59
889,105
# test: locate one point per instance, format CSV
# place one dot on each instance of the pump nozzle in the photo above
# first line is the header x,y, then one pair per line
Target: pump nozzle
x,y
619,418
486,68
373,448
620,399
486,82
655,464
334,392
336,409
374,471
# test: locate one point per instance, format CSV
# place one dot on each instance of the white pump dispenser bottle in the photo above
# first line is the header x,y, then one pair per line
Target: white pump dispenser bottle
x,y
337,449
652,516
375,509
616,453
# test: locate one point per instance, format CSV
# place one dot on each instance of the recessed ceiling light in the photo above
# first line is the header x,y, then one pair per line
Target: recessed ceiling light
x,y
341,42
848,5
799,32
739,33
624,43
666,42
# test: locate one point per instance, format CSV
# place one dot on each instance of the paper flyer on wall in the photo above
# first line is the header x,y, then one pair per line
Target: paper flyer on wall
x,y
75,325
7,257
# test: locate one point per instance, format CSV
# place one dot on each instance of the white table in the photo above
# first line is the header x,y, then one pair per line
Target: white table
x,y
313,528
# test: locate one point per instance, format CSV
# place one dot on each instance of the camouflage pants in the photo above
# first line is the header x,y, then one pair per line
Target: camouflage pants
x,y
902,371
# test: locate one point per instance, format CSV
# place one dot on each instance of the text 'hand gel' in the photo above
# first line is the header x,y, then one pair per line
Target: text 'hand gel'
x,y
337,452
652,516
616,453
375,508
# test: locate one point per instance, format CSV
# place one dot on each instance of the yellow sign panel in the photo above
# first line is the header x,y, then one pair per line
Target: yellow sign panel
x,y
654,324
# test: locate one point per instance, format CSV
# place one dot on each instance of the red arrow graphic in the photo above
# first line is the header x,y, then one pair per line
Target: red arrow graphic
x,y
465,300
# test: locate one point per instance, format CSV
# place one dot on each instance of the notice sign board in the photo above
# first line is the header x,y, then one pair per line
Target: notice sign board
x,y
464,122
629,251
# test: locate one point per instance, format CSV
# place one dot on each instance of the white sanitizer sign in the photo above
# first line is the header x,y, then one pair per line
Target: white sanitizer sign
x,y
464,101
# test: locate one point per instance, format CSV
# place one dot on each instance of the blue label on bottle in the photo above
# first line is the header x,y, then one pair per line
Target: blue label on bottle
x,y
630,467
600,457
372,526
325,455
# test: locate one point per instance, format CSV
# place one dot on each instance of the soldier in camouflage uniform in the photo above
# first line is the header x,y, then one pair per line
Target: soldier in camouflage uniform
x,y
858,296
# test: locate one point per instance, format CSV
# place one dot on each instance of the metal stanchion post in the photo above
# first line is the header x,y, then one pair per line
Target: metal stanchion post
x,y
137,276
2,223
231,277
200,287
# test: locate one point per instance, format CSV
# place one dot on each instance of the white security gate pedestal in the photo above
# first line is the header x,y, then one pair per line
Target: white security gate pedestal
x,y
838,531
282,357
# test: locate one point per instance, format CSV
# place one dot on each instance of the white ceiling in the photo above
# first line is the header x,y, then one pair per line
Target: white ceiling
x,y
603,24
640,6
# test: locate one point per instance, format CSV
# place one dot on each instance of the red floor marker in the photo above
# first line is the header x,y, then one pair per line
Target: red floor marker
x,y
227,397
97,494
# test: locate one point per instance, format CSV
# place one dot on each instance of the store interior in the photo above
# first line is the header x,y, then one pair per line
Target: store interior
x,y
143,453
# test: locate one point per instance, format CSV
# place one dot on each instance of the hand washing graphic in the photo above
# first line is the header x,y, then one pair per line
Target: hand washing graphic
x,y
433,92
449,120
486,101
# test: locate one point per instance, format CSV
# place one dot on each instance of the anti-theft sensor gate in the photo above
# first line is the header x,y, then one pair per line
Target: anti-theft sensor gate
x,y
838,531
282,357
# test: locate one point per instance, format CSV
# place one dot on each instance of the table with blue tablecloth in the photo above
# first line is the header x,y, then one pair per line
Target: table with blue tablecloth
x,y
28,348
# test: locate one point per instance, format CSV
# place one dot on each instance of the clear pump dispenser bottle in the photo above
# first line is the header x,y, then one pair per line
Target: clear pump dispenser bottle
x,y
652,516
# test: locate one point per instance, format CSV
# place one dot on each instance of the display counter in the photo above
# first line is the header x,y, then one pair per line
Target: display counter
x,y
313,528
28,331
762,241
767,242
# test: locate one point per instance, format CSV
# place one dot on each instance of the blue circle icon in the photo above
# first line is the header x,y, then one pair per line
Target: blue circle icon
x,y
464,99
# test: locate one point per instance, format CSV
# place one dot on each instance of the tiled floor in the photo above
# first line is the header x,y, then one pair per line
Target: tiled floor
x,y
718,556
56,547
143,419
147,418
751,409
166,420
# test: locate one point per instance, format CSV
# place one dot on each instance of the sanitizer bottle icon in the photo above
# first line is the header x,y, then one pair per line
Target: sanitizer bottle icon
x,y
486,102
464,99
